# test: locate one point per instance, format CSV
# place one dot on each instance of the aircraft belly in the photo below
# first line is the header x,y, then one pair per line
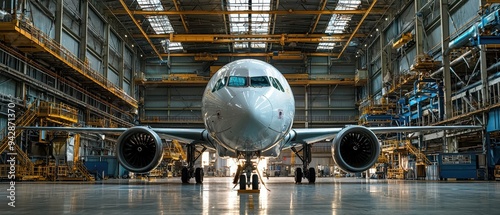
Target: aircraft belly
x,y
248,141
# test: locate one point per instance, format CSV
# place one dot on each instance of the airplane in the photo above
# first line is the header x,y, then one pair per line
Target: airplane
x,y
248,110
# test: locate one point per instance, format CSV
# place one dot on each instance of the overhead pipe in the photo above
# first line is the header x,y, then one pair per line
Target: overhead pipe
x,y
453,63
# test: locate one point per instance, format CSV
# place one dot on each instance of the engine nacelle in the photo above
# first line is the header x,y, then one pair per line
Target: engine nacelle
x,y
139,149
355,149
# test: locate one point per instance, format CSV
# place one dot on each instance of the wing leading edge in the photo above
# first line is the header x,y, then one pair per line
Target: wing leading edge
x,y
312,135
186,135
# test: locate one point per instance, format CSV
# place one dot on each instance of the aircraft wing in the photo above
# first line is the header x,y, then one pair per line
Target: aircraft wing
x,y
312,135
186,135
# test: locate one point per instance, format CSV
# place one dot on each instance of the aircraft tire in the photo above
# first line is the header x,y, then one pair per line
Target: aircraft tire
x,y
185,175
255,182
198,175
298,175
311,176
243,182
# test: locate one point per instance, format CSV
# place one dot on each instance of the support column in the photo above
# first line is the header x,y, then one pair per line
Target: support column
x,y
445,39
306,108
485,97
419,31
83,30
484,77
122,66
105,58
58,22
485,91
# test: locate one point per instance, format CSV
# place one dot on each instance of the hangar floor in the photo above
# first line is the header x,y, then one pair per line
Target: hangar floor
x,y
216,196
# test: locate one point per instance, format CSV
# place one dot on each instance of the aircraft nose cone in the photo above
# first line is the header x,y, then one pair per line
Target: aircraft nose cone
x,y
255,109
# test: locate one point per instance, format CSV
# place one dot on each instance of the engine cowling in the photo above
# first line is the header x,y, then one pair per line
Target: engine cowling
x,y
355,149
139,149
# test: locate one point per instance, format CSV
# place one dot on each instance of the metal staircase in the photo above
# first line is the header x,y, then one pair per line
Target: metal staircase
x,y
24,120
27,167
83,170
421,158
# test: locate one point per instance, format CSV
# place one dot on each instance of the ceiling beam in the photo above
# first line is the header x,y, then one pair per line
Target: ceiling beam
x,y
281,39
277,12
333,36
357,28
318,17
253,54
140,29
182,16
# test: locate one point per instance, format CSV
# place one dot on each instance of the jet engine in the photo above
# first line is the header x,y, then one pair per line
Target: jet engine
x,y
139,149
355,149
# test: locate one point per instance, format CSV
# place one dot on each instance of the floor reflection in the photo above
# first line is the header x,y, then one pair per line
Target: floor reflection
x,y
217,196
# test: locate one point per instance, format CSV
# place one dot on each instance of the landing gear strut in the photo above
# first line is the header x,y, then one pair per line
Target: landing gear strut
x,y
244,173
306,158
189,172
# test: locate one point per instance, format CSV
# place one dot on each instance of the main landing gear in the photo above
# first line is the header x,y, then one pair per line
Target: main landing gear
x,y
244,174
189,172
306,157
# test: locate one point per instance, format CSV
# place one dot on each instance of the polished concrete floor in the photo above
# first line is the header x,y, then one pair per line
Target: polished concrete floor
x,y
216,196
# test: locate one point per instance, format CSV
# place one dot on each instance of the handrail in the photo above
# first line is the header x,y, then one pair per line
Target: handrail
x,y
73,60
417,153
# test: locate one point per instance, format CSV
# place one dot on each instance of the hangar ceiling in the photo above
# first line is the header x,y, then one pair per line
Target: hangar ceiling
x,y
163,28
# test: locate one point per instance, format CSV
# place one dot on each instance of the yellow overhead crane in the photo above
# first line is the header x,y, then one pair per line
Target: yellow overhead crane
x,y
405,38
293,80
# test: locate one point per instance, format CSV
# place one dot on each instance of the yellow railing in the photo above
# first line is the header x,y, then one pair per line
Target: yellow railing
x,y
83,170
395,173
24,120
420,156
48,109
70,59
26,167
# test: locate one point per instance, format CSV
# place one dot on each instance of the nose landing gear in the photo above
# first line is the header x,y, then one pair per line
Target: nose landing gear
x,y
245,176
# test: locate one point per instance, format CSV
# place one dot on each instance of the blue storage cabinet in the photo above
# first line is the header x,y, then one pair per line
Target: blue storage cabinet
x,y
98,168
457,166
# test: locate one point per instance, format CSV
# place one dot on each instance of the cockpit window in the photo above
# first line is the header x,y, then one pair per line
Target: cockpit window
x,y
259,81
237,81
277,84
220,84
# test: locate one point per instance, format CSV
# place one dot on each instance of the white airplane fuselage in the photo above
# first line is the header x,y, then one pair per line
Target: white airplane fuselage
x,y
248,106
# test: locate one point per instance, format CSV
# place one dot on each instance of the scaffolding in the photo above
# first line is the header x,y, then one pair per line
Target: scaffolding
x,y
58,113
21,33
394,150
26,169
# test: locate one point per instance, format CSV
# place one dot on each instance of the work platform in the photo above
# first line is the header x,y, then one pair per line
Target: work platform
x,y
26,38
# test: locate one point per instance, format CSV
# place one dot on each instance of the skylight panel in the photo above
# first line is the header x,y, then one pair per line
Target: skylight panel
x,y
338,23
249,23
160,24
